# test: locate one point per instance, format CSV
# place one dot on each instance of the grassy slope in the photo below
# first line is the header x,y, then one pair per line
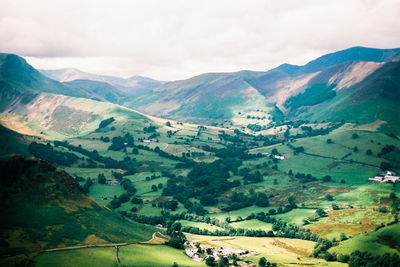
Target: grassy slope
x,y
59,215
385,240
376,97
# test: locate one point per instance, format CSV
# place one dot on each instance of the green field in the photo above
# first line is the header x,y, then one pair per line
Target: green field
x,y
81,257
156,255
383,241
200,225
279,250
253,224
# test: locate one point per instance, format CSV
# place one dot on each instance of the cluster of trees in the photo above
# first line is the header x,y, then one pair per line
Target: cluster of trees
x,y
195,208
206,181
150,129
87,185
240,200
117,201
251,177
356,258
254,127
169,204
106,122
187,162
308,131
127,164
361,259
128,186
47,153
305,178
119,142
386,150
101,178
177,239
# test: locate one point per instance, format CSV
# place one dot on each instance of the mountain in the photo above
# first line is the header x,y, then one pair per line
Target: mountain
x,y
47,208
293,90
374,98
134,85
100,91
18,77
357,53
211,96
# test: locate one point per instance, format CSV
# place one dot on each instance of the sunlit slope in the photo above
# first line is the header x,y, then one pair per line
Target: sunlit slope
x,y
59,117
375,98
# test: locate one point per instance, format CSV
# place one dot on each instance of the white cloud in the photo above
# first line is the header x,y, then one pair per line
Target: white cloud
x,y
177,39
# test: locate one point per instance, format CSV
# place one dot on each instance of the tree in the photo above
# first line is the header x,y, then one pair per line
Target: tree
x,y
168,124
343,237
175,264
87,185
327,178
223,262
385,166
115,203
329,197
368,152
355,136
154,187
101,179
287,133
262,262
291,201
210,261
321,213
329,141
124,198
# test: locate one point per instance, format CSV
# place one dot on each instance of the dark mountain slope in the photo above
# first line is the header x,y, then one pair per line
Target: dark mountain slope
x,y
16,74
47,208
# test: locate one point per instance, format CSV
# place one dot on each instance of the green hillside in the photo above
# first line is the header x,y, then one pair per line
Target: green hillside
x,y
282,174
98,90
59,212
374,98
17,74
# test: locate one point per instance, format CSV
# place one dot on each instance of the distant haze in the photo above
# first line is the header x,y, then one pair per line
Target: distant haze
x,y
170,40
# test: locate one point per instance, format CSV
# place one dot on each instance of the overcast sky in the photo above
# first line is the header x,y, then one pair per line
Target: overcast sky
x,y
170,40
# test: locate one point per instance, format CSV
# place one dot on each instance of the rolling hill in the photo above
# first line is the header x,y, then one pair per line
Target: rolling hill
x,y
135,85
307,91
100,91
47,208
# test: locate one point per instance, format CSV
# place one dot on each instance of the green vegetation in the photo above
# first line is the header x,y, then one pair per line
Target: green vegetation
x,y
282,185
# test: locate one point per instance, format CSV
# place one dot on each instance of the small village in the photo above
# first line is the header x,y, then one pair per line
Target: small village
x,y
201,252
388,177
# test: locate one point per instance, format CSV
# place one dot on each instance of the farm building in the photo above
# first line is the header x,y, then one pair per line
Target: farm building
x,y
268,155
114,182
389,177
